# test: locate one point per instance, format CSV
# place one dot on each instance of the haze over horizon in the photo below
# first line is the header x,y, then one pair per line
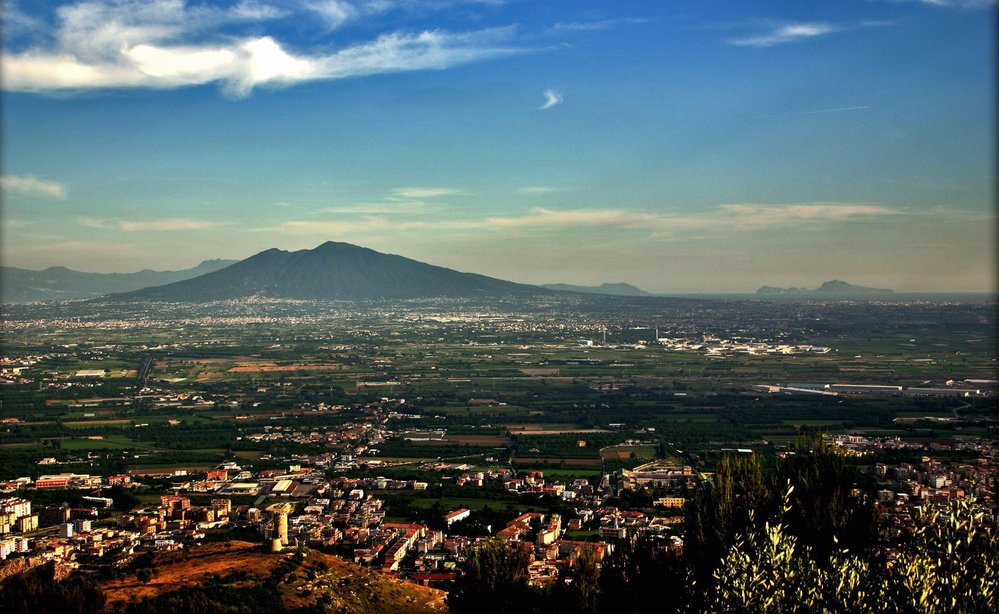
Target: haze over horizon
x,y
681,147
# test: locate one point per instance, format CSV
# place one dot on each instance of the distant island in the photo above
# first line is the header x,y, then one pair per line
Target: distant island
x,y
618,289
830,289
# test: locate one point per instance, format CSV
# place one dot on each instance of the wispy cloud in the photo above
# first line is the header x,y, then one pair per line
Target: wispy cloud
x,y
547,218
251,10
335,13
11,223
732,217
399,208
338,13
101,248
963,4
165,224
785,33
766,216
170,44
728,218
398,193
782,32
591,26
29,185
328,228
820,111
552,98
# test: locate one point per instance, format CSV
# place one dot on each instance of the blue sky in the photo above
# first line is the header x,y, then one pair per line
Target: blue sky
x,y
682,146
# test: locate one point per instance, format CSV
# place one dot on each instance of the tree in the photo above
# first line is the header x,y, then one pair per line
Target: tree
x,y
724,508
144,575
646,575
824,512
579,585
493,579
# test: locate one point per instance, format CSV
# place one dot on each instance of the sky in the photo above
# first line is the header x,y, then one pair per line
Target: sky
x,y
682,146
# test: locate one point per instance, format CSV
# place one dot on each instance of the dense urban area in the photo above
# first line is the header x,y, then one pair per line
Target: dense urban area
x,y
152,448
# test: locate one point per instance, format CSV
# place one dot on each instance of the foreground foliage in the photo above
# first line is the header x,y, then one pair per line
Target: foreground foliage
x,y
948,566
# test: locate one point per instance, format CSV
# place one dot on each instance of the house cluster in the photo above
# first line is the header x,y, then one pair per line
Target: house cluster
x,y
65,533
714,346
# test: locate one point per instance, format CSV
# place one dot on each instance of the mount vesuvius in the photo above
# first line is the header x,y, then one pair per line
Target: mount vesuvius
x,y
332,271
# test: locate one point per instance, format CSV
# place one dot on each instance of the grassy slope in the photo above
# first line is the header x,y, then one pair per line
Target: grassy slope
x,y
351,588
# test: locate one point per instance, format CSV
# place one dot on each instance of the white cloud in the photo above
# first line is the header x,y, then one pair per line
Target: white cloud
x,y
786,33
552,98
169,44
165,224
29,185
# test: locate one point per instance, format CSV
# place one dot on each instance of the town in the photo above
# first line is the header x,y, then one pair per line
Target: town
x,y
398,437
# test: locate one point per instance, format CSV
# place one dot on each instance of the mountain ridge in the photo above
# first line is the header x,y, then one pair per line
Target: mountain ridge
x,y
57,283
613,289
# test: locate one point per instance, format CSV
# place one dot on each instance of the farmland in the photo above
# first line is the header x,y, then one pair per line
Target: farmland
x,y
528,383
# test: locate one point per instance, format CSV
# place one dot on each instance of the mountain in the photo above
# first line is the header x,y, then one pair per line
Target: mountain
x,y
618,289
338,271
829,289
60,283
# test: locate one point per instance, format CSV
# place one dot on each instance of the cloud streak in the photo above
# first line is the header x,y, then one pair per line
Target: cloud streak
x,y
785,33
552,98
168,44
29,185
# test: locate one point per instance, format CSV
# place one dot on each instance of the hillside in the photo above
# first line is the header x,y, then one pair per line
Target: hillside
x,y
338,271
60,283
266,581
